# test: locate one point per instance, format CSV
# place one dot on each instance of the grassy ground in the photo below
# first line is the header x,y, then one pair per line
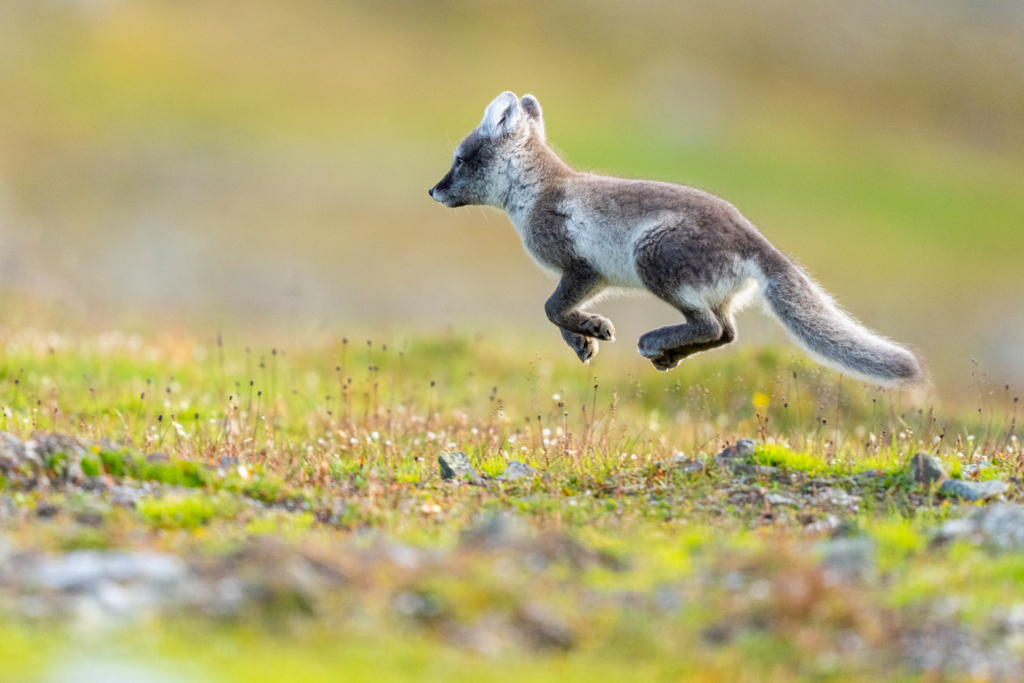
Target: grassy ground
x,y
298,491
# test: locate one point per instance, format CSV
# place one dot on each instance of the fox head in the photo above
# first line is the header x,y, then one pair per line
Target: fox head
x,y
480,172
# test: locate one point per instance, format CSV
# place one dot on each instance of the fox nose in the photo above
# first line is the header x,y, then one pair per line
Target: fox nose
x,y
431,192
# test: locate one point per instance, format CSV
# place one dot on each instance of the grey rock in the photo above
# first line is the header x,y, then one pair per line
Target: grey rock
x,y
125,496
827,523
849,557
491,531
1000,525
973,490
926,469
735,456
780,499
756,470
744,448
952,649
12,452
455,465
516,470
82,569
45,446
687,465
410,604
1004,524
544,627
832,495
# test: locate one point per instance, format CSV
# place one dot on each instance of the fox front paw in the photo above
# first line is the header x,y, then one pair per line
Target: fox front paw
x,y
585,347
598,327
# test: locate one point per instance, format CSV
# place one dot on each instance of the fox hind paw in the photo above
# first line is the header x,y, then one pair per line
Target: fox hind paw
x,y
661,359
665,362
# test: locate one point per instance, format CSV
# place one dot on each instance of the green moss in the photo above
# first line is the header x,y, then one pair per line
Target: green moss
x,y
283,524
91,467
898,540
114,462
816,465
264,488
186,512
56,463
83,538
172,473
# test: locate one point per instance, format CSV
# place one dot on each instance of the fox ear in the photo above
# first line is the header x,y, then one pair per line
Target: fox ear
x,y
502,115
531,106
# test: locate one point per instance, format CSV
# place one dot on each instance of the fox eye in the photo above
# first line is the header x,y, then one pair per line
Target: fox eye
x,y
459,161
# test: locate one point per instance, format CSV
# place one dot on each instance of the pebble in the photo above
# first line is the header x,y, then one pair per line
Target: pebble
x,y
455,465
926,469
493,530
687,465
83,569
832,495
973,490
851,557
755,470
779,499
744,448
1000,524
516,470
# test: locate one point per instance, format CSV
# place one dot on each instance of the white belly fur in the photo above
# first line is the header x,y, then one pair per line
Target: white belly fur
x,y
607,248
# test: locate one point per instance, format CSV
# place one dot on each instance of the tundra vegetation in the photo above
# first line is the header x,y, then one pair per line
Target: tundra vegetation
x,y
272,513
176,508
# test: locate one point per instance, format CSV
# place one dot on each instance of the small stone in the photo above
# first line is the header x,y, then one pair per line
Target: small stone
x,y
926,469
827,523
124,496
687,465
12,452
833,495
1000,524
849,557
544,627
455,465
491,531
1004,525
516,470
89,518
779,499
744,448
756,470
158,457
973,490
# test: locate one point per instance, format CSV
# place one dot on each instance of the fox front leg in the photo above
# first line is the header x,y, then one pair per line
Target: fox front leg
x,y
579,328
585,347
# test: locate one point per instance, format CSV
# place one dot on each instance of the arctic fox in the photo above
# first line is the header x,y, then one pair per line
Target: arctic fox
x,y
687,247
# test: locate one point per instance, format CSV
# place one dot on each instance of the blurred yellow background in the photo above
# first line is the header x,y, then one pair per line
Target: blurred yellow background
x,y
206,163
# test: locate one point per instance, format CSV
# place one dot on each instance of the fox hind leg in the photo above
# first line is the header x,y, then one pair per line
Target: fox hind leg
x,y
704,329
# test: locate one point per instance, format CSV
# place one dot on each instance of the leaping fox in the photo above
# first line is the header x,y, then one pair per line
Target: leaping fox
x,y
687,247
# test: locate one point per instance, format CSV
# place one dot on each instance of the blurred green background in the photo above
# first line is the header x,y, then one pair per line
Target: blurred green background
x,y
193,164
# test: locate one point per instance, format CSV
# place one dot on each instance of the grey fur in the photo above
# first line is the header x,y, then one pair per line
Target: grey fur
x,y
687,247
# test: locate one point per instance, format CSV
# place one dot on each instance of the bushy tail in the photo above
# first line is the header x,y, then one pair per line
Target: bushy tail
x,y
828,334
